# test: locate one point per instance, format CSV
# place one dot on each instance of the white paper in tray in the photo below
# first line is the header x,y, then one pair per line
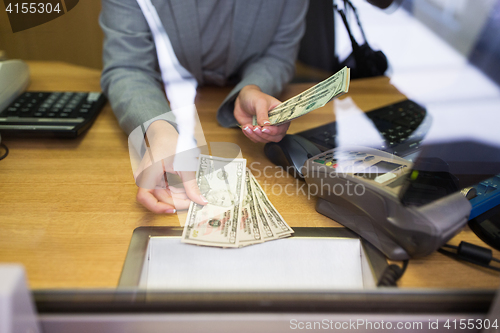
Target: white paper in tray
x,y
287,264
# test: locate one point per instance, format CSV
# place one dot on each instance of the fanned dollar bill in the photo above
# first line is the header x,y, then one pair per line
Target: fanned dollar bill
x,y
222,182
269,213
311,99
250,231
267,232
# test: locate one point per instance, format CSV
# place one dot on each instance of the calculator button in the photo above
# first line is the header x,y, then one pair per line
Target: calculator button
x,y
369,158
319,161
328,163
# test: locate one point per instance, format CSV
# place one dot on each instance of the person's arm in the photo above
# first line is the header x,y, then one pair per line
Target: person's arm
x,y
132,82
130,78
275,67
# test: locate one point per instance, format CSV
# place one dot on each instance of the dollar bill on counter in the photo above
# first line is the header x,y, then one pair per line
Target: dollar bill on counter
x,y
311,99
222,183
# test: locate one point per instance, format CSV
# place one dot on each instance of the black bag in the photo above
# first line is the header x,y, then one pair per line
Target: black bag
x,y
363,61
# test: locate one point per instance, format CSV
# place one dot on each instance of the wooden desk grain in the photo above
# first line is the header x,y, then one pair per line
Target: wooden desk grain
x,y
68,209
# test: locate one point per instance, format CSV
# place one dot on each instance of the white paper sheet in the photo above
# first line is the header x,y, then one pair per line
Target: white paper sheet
x,y
287,264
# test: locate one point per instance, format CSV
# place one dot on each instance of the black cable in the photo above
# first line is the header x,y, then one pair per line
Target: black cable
x,y
474,254
357,18
392,274
6,151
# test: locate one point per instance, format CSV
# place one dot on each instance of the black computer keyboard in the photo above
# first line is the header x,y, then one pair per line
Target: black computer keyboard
x,y
403,125
59,113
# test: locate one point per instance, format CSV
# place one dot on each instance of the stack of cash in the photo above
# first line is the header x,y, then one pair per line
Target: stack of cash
x,y
311,99
238,212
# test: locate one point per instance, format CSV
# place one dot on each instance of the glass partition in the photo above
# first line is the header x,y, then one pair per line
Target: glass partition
x,y
69,214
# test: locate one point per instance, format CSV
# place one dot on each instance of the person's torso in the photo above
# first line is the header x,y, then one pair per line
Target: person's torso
x,y
215,39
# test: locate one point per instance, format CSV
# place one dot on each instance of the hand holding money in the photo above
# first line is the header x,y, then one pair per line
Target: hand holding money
x,y
154,191
309,100
251,101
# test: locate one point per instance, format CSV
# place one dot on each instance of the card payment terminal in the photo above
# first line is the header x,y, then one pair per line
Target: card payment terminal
x,y
360,187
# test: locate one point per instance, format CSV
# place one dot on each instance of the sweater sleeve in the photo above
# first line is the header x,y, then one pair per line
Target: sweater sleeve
x,y
131,78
